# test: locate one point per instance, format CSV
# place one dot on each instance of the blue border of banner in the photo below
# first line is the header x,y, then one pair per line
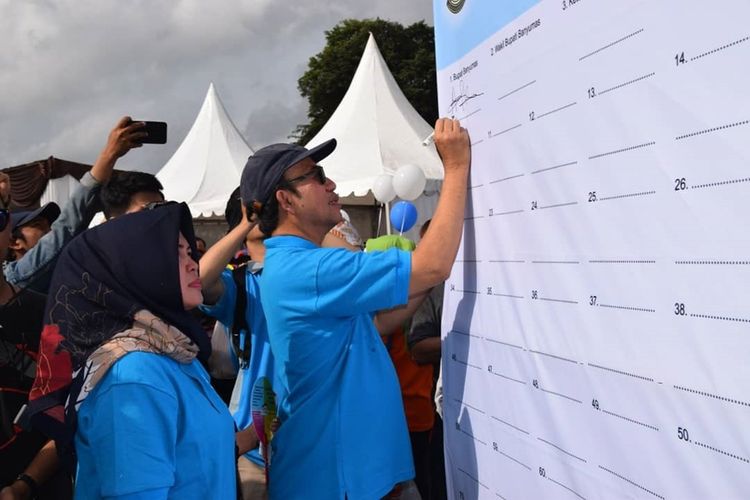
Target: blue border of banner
x,y
457,34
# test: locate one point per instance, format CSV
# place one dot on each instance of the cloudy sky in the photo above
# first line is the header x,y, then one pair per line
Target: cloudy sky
x,y
70,68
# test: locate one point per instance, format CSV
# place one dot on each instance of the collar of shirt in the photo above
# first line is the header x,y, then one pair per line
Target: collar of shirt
x,y
289,241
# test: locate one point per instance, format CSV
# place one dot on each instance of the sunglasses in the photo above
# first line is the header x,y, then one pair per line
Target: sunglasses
x,y
317,173
4,218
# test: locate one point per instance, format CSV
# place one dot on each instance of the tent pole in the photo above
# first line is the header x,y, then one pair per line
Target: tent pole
x,y
388,217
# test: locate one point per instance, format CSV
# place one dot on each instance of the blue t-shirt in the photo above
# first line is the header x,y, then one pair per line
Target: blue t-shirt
x,y
343,430
155,428
260,363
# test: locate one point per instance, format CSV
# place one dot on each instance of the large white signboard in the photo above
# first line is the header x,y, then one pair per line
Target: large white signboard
x,y
597,323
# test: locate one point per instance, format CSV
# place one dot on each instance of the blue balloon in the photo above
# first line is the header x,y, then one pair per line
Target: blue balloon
x,y
403,216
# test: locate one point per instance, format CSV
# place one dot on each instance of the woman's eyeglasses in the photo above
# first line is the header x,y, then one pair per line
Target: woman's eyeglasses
x,y
4,218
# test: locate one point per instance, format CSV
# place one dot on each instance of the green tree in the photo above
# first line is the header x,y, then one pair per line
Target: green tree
x,y
409,52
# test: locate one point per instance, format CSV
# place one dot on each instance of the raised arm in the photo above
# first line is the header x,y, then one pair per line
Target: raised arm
x,y
433,258
76,215
125,136
216,258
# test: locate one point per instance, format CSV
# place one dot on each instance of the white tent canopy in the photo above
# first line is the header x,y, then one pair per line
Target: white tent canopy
x,y
377,130
59,190
207,166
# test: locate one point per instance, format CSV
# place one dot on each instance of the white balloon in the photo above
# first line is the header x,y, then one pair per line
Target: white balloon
x,y
382,188
409,182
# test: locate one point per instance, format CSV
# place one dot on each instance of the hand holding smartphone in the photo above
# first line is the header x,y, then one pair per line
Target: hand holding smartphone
x,y
157,132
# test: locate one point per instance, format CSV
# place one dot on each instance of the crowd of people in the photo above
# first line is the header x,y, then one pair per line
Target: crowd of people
x,y
316,380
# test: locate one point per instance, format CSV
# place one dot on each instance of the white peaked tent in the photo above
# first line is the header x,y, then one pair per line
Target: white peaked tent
x,y
377,130
206,168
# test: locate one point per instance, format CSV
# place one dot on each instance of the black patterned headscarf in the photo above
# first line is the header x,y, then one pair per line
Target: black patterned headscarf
x,y
105,281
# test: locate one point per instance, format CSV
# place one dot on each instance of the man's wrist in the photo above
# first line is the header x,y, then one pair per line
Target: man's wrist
x,y
102,169
25,486
455,166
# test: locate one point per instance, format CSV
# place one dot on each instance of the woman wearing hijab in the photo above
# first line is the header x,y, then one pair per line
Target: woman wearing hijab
x,y
120,372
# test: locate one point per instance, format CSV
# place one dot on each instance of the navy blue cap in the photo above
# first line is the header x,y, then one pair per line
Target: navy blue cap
x,y
264,169
49,211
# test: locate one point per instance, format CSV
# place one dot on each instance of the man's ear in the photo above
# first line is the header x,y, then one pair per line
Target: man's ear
x,y
16,244
284,198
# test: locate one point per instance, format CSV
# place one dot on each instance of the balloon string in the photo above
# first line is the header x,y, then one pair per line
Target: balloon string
x,y
380,216
403,222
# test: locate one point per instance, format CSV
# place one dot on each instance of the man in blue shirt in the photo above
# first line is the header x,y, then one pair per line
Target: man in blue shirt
x,y
221,298
29,226
343,432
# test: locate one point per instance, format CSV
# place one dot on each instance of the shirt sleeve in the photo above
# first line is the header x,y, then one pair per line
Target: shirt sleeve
x,y
348,283
126,465
75,217
223,309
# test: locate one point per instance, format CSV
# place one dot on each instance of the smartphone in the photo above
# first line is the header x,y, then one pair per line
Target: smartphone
x,y
157,132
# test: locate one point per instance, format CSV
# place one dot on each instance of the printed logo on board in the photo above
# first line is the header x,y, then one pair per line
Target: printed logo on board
x,y
455,6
